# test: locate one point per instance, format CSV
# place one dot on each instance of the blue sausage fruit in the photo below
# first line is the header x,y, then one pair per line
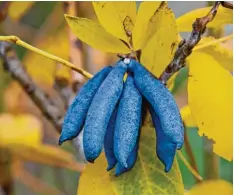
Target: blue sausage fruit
x,y
127,122
130,162
162,102
100,111
76,113
165,149
109,142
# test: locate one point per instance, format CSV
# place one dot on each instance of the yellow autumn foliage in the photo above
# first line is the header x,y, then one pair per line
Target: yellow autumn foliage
x,y
123,16
22,135
212,187
210,100
95,35
223,16
158,52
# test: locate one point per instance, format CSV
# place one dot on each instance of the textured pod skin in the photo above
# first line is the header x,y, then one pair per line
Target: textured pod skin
x,y
127,122
75,116
100,111
162,102
109,142
130,161
165,149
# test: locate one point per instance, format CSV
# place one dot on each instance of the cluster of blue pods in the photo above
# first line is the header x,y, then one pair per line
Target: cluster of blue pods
x,y
109,111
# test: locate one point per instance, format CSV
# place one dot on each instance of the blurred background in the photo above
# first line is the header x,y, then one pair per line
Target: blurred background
x,y
42,24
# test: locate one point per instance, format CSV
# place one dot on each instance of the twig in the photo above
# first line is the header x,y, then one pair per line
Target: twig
x,y
193,171
185,47
12,64
18,41
64,89
227,4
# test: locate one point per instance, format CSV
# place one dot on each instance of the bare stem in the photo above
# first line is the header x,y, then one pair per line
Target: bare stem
x,y
185,47
18,41
13,65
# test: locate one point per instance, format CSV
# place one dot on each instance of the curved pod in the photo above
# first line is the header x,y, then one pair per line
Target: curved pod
x,y
100,111
162,102
76,113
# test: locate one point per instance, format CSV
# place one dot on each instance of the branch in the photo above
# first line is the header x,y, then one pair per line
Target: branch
x,y
227,4
47,106
18,41
185,47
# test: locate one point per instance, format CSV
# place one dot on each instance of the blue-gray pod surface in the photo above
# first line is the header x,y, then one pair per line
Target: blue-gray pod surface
x,y
76,113
130,161
162,102
165,149
100,111
127,122
109,141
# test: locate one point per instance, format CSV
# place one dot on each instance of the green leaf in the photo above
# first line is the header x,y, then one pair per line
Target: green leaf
x,y
223,16
146,177
116,17
95,35
141,32
158,52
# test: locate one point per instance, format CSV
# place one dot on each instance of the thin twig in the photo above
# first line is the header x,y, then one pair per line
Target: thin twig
x,y
184,49
18,41
227,4
186,46
12,64
193,171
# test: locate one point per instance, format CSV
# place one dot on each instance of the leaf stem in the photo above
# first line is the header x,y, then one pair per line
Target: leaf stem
x,y
21,43
193,171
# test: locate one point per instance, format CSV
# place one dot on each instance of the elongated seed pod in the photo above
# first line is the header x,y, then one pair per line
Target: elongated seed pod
x,y
165,149
100,111
128,121
162,102
130,161
109,141
75,116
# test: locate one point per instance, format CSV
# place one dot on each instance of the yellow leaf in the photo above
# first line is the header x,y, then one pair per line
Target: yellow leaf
x,y
146,177
187,116
212,187
17,9
223,16
22,136
95,35
158,52
23,129
141,32
43,69
210,100
222,55
46,154
116,17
